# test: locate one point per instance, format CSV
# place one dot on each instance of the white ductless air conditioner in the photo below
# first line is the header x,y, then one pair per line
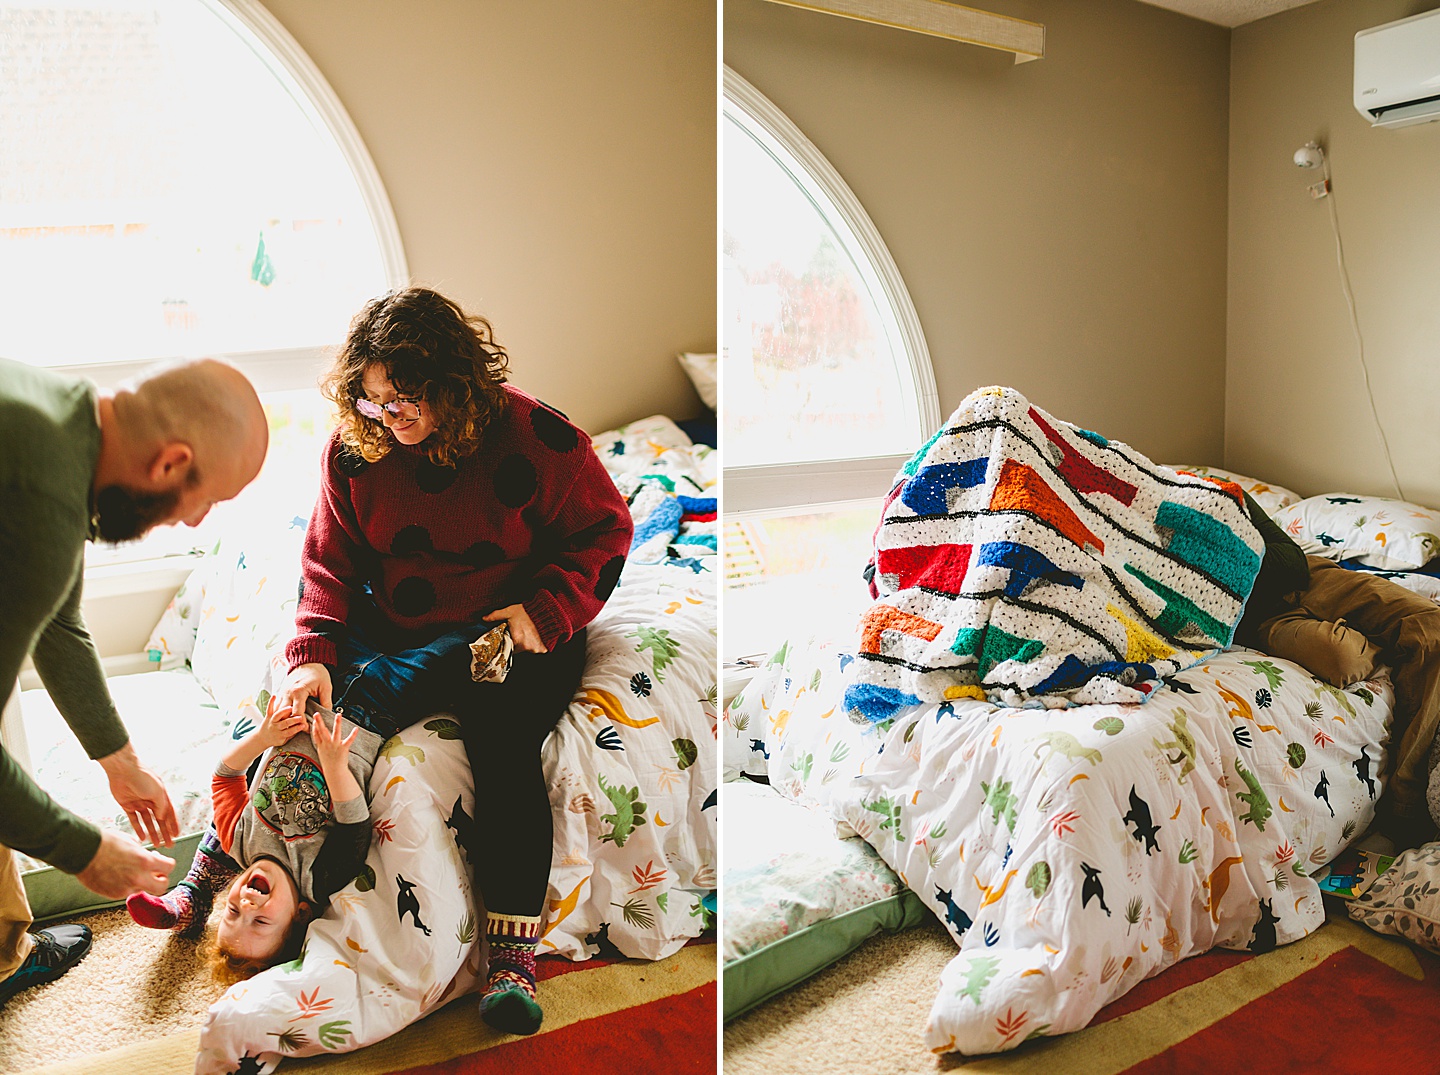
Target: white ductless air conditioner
x,y
1397,71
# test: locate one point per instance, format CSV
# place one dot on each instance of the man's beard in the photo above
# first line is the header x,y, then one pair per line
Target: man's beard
x,y
123,514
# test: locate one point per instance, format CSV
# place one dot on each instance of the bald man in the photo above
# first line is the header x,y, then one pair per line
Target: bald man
x,y
78,465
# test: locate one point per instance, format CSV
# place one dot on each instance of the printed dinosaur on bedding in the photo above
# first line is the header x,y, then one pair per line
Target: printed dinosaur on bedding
x,y
1255,798
1184,742
629,811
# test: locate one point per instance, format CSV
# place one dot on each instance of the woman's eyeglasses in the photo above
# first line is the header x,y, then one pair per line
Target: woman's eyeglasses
x,y
404,410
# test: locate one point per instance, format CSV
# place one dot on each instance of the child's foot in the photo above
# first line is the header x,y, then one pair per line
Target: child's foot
x,y
179,909
508,1002
511,1008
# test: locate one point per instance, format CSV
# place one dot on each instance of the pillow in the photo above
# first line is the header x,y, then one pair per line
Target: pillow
x,y
635,447
1405,899
1391,534
1271,498
784,726
797,897
1424,584
173,640
247,614
701,371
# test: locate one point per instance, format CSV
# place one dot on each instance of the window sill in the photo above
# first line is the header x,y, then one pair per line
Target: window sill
x,y
126,577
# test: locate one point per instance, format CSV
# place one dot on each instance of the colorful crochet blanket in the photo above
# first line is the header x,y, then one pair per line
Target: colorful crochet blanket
x,y
1025,561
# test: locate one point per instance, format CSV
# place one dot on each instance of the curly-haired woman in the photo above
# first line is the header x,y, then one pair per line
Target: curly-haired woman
x,y
451,501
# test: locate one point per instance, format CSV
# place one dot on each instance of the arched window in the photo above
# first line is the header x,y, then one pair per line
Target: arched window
x,y
827,381
178,179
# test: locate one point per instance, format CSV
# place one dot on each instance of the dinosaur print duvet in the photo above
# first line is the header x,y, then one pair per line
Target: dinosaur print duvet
x,y
632,778
1074,852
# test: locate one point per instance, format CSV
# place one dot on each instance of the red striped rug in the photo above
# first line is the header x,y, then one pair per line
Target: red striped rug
x,y
672,1033
1344,1001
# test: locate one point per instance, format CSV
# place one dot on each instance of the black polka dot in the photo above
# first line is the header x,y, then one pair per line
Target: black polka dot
x,y
609,577
434,479
483,554
515,481
410,540
413,597
350,463
554,432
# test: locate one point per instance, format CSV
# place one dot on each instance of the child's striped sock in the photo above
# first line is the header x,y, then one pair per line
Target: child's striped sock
x,y
508,1002
186,907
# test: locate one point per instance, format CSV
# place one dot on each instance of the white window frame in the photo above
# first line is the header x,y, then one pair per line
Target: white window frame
x,y
787,487
273,45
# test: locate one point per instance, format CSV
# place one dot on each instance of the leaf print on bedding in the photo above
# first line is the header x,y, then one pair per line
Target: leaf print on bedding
x,y
443,728
289,1039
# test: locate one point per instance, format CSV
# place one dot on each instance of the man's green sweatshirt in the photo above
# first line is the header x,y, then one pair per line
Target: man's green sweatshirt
x,y
49,445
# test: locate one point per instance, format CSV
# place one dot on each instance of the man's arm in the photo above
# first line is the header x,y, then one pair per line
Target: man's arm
x,y
43,570
39,577
70,668
32,822
111,864
1283,570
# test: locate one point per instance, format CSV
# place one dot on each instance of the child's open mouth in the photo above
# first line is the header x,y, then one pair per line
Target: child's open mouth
x,y
259,884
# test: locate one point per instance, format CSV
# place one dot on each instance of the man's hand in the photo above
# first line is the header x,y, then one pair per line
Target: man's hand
x,y
306,681
122,867
142,796
522,628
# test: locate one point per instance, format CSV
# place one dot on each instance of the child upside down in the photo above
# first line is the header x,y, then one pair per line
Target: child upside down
x,y
305,839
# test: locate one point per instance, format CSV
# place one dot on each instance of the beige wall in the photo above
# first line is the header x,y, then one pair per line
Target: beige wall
x,y
1295,409
1060,224
552,166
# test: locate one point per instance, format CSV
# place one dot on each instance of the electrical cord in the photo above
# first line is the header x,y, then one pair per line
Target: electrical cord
x,y
1355,327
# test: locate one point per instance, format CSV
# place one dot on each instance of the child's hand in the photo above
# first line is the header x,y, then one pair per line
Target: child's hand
x,y
280,725
334,752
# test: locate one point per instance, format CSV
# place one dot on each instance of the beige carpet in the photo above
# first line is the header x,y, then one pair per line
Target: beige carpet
x,y
866,1013
137,1002
135,985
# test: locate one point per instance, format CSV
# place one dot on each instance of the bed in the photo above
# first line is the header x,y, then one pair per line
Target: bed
x,y
631,769
1073,852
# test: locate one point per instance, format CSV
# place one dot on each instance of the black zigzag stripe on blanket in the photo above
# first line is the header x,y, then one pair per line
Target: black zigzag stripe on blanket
x,y
1027,561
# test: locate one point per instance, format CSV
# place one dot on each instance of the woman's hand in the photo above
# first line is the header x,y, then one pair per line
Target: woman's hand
x,y
306,681
281,724
522,628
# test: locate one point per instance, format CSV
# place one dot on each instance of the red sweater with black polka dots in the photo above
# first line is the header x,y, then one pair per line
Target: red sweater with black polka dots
x,y
531,518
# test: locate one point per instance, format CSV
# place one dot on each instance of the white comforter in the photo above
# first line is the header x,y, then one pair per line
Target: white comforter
x,y
1074,852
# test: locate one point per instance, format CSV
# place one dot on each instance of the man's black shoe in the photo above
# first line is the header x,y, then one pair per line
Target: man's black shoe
x,y
56,950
